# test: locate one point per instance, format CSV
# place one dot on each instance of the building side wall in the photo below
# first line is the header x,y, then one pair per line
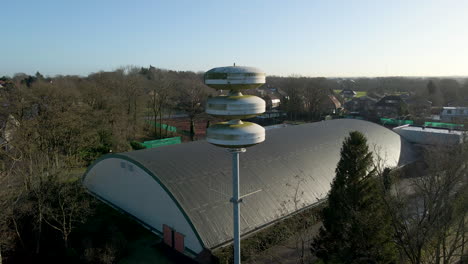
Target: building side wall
x,y
131,189
428,138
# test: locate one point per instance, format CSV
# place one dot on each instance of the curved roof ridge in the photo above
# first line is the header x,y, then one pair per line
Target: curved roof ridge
x,y
197,175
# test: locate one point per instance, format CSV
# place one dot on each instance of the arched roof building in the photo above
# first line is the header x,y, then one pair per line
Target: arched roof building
x,y
186,187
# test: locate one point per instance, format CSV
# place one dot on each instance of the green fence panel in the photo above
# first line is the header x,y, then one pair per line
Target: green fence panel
x,y
443,125
388,121
395,122
164,126
407,122
161,142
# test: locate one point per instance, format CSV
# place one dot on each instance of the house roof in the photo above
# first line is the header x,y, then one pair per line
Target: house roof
x,y
363,98
335,101
390,100
455,107
367,98
348,91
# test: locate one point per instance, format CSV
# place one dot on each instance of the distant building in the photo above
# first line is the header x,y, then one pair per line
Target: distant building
x,y
405,96
273,113
430,135
348,93
331,105
454,114
272,101
272,96
390,106
362,105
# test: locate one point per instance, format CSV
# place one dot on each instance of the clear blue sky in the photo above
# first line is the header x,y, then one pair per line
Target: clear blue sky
x,y
310,37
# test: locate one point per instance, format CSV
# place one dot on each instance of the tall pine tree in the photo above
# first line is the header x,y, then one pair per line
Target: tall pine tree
x,y
356,228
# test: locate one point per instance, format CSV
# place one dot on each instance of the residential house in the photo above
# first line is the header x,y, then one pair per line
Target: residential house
x,y
273,114
331,105
362,105
348,93
391,106
272,101
454,114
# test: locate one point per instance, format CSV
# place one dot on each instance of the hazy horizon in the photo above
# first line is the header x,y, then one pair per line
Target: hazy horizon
x,y
275,75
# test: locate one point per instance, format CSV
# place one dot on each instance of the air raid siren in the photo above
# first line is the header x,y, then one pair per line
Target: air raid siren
x,y
235,106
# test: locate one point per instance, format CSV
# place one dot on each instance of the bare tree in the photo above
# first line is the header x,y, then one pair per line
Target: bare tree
x,y
160,94
131,89
66,207
315,94
192,95
429,209
304,226
304,96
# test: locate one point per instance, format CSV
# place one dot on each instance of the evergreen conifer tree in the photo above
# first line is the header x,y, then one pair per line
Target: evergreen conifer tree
x,y
356,228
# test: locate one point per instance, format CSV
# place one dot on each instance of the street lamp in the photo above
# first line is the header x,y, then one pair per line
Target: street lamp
x,y
235,135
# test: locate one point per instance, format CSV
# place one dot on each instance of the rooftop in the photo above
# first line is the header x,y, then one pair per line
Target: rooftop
x,y
299,158
430,129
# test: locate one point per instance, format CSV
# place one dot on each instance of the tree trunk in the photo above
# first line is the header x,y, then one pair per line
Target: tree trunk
x,y
160,121
192,129
155,117
167,123
65,240
437,253
134,117
38,241
463,237
155,113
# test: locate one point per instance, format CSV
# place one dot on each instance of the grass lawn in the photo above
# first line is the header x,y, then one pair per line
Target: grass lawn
x,y
358,93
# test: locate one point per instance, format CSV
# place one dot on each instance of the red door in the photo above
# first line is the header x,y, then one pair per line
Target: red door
x,y
179,242
167,234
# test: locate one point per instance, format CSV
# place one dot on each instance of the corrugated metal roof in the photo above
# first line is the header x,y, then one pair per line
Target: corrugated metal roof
x,y
300,157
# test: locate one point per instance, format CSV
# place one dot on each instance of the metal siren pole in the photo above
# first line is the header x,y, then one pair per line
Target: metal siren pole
x,y
236,200
235,134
